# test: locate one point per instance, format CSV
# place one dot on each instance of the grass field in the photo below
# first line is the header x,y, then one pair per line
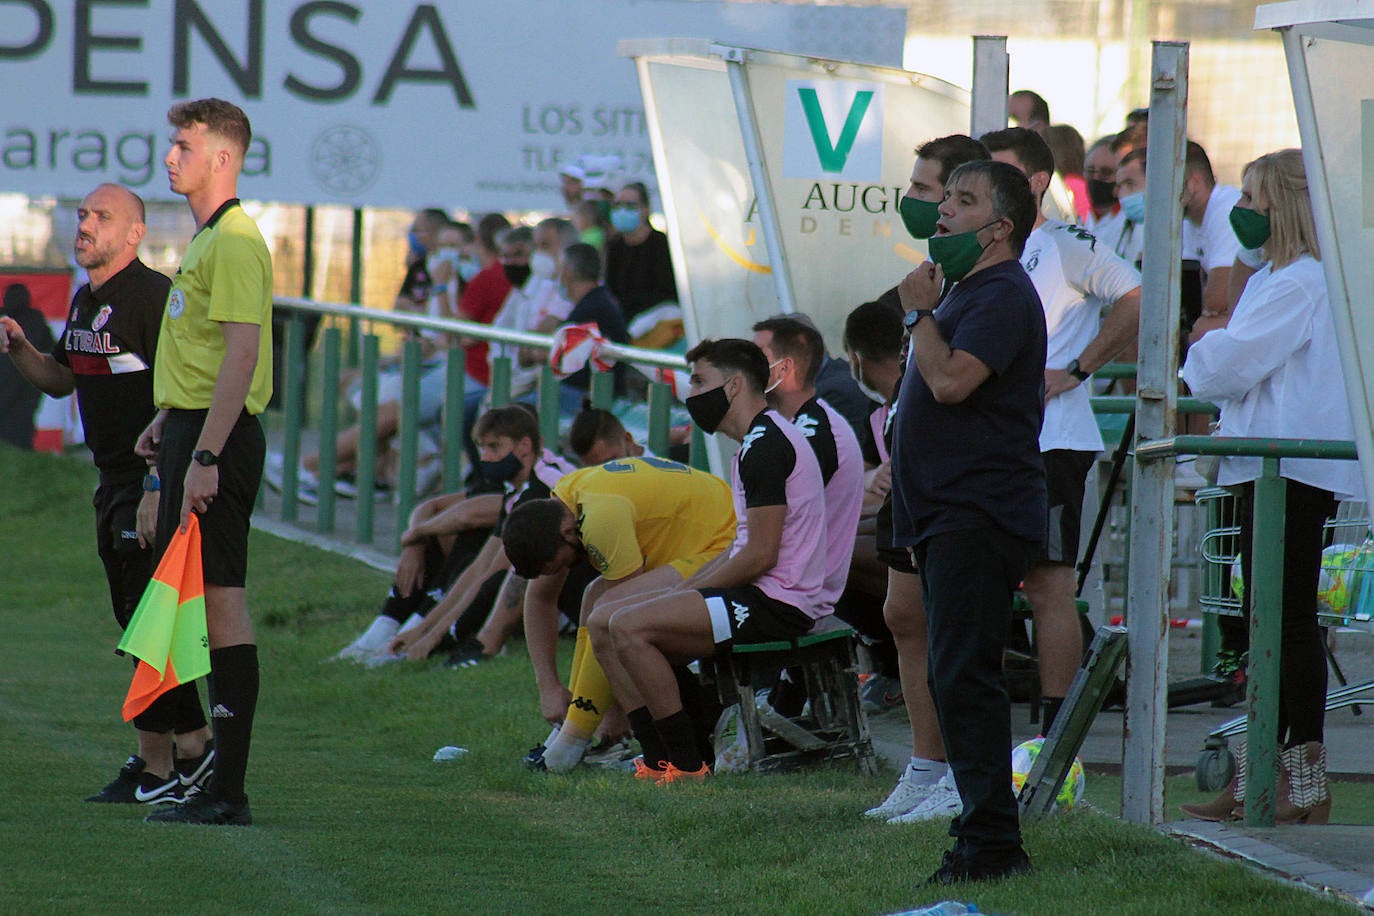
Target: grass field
x,y
351,814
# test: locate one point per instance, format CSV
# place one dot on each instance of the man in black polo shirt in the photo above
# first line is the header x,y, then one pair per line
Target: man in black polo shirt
x,y
106,355
968,486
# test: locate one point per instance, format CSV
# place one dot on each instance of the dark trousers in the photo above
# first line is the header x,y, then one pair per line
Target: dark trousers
x,y
1302,660
967,581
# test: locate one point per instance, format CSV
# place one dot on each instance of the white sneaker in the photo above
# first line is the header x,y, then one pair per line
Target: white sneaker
x,y
913,787
942,802
375,638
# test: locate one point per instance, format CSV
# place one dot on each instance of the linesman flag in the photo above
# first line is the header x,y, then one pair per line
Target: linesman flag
x,y
167,633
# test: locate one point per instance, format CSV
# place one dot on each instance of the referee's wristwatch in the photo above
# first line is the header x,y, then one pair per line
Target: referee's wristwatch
x,y
1077,371
914,317
205,458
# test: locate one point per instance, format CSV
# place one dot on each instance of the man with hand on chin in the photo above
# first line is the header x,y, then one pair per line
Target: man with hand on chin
x,y
969,486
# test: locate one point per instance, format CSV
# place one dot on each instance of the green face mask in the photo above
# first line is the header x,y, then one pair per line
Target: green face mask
x,y
956,254
919,216
1251,227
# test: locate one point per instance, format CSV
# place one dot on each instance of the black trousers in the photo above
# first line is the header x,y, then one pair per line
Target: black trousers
x,y
967,581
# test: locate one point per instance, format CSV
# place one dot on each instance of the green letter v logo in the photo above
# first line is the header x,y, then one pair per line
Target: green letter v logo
x,y
833,157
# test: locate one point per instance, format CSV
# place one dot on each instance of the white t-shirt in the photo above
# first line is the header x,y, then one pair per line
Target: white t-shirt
x,y
1076,277
1119,234
1276,371
525,307
1213,243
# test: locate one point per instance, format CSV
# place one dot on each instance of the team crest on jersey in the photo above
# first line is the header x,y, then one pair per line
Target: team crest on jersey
x,y
749,439
1033,261
101,317
176,303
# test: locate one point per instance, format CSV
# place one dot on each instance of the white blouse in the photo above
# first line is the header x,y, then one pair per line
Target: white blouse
x,y
1275,371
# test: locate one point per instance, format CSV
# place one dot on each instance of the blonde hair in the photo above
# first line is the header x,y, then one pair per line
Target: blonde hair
x,y
1279,188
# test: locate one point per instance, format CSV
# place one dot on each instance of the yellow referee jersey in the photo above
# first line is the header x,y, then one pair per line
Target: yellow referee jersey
x,y
649,512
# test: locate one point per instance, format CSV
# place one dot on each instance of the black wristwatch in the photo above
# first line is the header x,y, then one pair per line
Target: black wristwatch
x,y
914,317
1077,372
205,458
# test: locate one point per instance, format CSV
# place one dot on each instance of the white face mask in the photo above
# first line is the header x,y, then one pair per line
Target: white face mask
x,y
543,265
859,380
769,389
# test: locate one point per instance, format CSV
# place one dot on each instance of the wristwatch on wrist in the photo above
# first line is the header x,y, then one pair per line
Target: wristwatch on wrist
x,y
1077,372
205,458
914,317
151,483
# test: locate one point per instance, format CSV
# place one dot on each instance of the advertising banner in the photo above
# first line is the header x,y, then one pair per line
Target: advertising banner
x,y
836,142
456,103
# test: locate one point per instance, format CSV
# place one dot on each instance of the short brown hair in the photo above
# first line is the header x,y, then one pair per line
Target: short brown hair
x,y
514,421
223,119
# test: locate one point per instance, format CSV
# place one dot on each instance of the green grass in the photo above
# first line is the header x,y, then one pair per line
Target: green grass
x,y
351,814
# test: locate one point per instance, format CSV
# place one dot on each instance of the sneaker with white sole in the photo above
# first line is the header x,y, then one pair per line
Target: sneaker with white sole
x,y
942,802
374,639
121,789
195,772
158,790
607,753
913,787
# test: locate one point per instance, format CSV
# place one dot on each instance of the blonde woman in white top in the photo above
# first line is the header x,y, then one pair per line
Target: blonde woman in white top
x,y
1276,372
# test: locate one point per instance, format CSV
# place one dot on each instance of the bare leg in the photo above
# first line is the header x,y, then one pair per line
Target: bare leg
x,y
905,614
1050,589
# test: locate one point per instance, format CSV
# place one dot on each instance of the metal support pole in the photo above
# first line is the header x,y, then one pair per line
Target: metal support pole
x,y
455,396
1152,493
308,261
1266,628
293,375
991,84
355,285
735,65
367,440
329,425
409,437
549,403
603,389
660,420
500,381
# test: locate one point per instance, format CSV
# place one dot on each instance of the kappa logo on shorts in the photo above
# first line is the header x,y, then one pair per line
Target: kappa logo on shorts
x,y
741,613
585,705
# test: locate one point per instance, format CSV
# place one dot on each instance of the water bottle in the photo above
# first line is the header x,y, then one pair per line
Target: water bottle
x,y
943,908
449,752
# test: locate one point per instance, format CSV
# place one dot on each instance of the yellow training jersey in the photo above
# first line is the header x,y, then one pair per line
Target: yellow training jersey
x,y
226,275
648,512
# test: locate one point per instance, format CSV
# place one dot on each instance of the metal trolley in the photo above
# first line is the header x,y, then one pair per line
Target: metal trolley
x,y
1345,598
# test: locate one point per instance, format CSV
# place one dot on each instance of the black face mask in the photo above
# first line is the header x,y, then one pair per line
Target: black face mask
x,y
1101,193
708,408
502,471
517,274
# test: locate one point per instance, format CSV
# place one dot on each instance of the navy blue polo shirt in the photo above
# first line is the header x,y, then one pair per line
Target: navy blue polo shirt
x,y
962,466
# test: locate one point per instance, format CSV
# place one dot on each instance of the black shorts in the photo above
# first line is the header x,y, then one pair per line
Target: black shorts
x,y
747,615
128,567
898,558
1066,477
224,525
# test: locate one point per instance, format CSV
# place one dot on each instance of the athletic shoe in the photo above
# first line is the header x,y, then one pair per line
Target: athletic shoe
x,y
913,787
196,771
644,771
608,753
374,639
122,789
956,869
469,654
880,693
204,808
672,774
157,790
942,802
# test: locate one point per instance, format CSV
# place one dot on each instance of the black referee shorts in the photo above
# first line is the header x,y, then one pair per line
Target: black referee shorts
x,y
224,525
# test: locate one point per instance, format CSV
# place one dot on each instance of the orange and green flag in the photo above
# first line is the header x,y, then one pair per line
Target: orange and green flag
x,y
167,633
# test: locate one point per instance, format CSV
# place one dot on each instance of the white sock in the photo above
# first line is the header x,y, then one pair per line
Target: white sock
x,y
925,772
413,621
553,736
377,635
564,754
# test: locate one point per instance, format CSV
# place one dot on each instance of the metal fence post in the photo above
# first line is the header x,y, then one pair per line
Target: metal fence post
x,y
367,439
603,389
329,426
1266,627
293,375
455,395
1152,493
660,420
549,404
500,381
409,436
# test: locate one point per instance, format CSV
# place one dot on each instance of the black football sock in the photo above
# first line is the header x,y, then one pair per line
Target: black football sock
x,y
680,741
233,700
646,733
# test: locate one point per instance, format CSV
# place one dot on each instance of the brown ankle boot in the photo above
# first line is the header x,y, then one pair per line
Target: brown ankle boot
x,y
1230,804
1303,796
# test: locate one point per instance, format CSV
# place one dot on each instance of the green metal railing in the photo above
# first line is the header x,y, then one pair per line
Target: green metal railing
x,y
1266,591
360,337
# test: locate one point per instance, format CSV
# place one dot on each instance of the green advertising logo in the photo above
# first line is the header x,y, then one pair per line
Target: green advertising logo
x,y
834,157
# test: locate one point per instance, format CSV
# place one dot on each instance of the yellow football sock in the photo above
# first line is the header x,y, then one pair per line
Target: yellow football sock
x,y
592,694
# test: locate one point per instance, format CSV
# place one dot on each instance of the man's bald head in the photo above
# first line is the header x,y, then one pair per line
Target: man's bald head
x,y
110,226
